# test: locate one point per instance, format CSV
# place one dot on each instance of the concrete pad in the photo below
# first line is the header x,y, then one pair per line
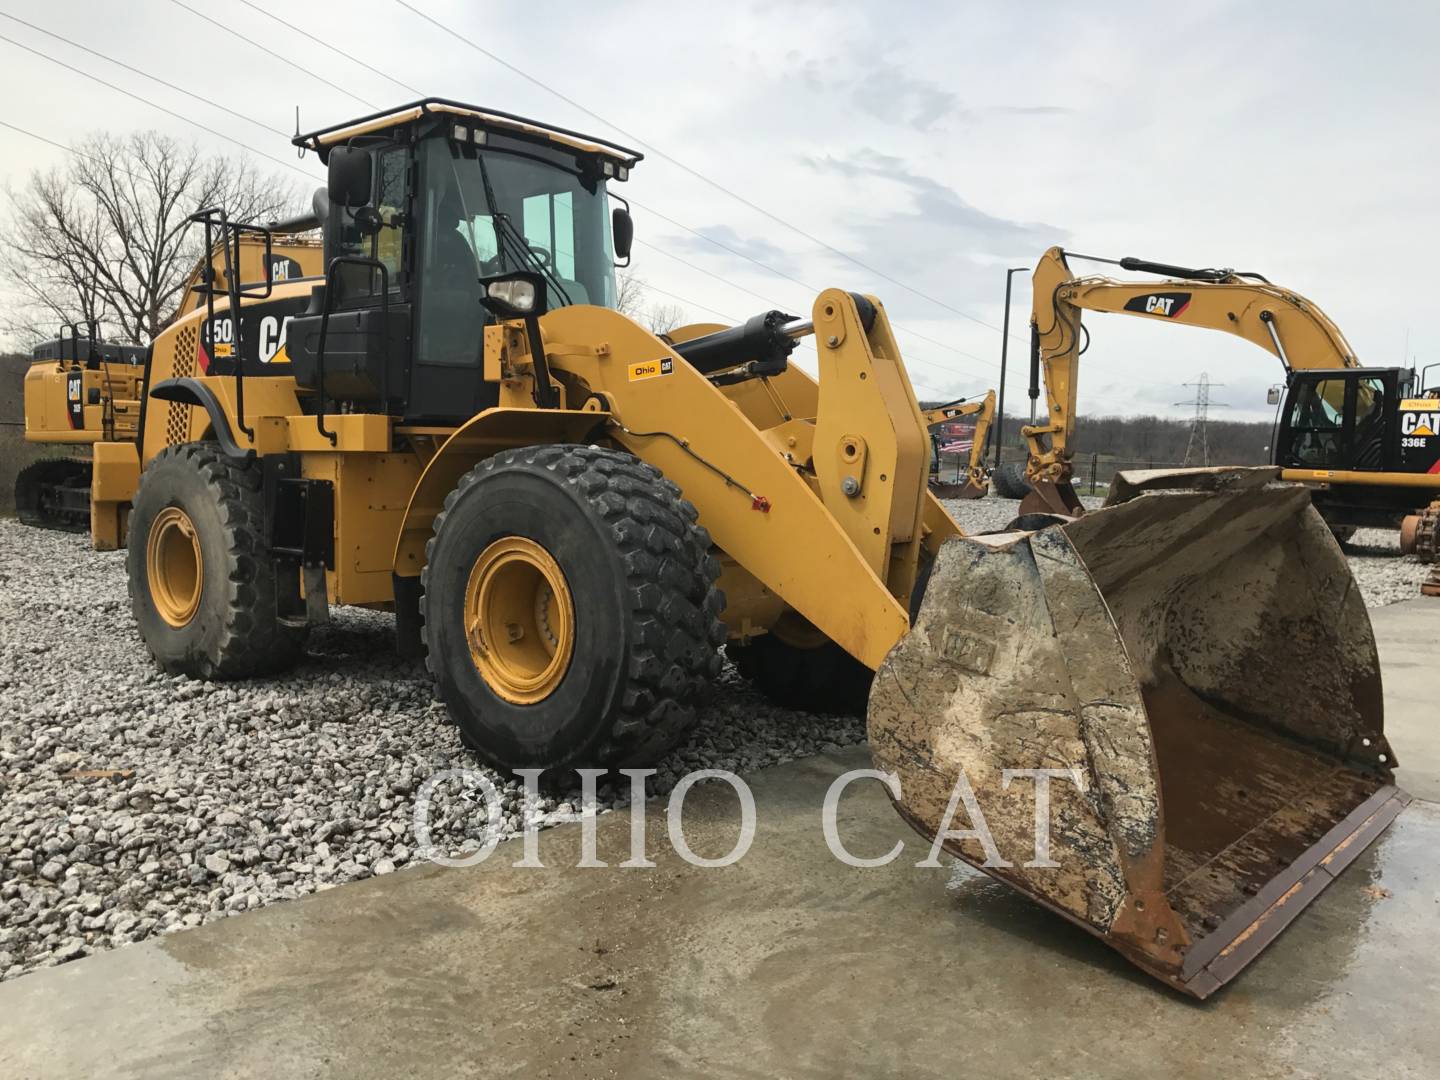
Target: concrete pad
x,y
1408,636
788,963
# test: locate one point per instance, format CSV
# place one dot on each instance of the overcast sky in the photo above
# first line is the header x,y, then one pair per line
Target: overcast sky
x,y
935,144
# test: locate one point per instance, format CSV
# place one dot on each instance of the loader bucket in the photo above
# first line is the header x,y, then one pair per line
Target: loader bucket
x,y
1197,650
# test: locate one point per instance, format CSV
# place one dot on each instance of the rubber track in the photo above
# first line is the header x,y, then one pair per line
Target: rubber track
x,y
29,482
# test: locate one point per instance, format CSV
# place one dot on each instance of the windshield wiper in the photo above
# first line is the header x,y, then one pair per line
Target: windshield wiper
x,y
507,227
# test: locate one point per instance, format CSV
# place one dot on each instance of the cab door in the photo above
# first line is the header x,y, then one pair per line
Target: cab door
x,y
455,238
1338,420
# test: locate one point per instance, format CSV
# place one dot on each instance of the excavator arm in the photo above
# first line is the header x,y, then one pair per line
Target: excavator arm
x,y
977,477
1283,323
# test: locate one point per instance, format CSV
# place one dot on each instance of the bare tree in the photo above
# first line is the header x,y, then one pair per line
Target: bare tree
x,y
632,296
630,292
662,318
107,238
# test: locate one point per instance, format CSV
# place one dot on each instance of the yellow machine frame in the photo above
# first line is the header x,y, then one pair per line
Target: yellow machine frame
x,y
864,510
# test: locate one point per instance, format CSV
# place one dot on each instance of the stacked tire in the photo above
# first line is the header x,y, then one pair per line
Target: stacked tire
x,y
1009,480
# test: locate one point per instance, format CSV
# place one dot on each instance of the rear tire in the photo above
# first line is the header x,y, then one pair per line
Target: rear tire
x,y
817,677
202,587
1009,481
569,609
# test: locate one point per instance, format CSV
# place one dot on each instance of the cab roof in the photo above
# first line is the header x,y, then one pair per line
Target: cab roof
x,y
322,139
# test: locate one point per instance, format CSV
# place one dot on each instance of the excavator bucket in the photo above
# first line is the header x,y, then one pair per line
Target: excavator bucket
x,y
964,489
1196,661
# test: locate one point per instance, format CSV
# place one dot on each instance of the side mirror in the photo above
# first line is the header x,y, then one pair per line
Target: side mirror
x,y
1272,396
348,181
517,295
622,232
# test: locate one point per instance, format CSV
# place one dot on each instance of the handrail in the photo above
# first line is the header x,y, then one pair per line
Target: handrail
x,y
214,218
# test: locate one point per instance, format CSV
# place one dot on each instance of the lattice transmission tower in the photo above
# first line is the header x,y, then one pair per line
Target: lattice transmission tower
x,y
1199,435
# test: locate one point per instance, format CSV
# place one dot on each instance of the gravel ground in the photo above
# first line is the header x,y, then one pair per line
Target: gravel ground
x,y
134,804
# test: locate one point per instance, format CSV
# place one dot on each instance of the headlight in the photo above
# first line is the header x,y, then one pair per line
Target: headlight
x,y
515,293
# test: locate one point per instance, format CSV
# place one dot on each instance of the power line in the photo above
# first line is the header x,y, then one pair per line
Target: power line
x,y
143,74
731,318
154,105
68,149
803,284
719,187
326,45
260,153
693,172
277,56
766,300
708,239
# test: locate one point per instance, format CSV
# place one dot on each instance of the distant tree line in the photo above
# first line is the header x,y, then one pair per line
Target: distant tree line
x,y
1161,439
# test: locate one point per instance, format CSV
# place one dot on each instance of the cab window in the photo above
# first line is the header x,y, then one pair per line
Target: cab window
x,y
384,243
1317,418
1369,439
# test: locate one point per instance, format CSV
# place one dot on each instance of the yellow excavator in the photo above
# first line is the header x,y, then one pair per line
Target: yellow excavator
x,y
81,391
939,418
1365,441
570,516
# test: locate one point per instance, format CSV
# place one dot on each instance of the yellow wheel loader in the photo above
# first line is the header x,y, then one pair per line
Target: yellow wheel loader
x,y
939,419
85,393
1365,441
570,516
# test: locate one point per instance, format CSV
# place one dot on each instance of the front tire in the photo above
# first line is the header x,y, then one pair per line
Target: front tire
x,y
569,608
202,587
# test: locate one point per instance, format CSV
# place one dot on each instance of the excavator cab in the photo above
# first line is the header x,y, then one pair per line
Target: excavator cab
x,y
1359,421
1340,419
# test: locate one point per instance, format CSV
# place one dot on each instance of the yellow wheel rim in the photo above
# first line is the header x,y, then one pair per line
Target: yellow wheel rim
x,y
175,567
519,620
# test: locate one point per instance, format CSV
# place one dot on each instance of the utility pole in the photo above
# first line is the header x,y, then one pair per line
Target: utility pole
x,y
1199,436
1004,358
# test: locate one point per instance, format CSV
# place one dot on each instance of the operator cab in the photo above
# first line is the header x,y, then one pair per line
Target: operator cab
x,y
1375,420
429,212
1342,419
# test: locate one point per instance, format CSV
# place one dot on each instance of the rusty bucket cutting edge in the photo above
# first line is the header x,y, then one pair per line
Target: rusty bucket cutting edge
x,y
1198,651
